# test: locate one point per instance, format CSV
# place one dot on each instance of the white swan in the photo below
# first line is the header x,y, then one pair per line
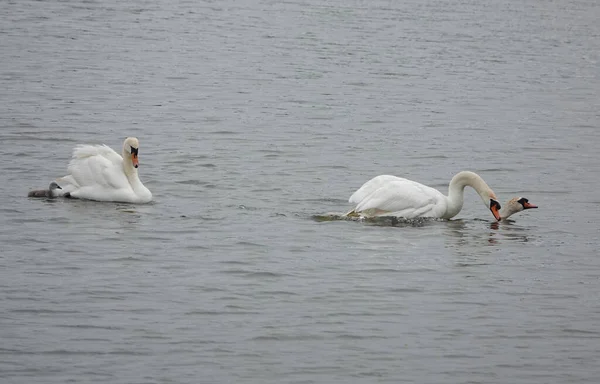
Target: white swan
x,y
514,205
96,172
387,195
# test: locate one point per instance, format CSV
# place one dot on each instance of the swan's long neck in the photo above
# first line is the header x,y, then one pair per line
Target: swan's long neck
x,y
507,212
131,171
140,192
456,191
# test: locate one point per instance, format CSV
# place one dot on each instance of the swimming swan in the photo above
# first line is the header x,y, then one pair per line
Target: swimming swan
x,y
96,172
387,195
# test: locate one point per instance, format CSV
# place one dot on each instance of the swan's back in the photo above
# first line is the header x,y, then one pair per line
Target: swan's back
x,y
96,173
372,185
396,196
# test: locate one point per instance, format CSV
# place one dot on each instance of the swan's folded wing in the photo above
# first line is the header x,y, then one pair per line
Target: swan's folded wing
x,y
404,198
85,151
97,165
371,186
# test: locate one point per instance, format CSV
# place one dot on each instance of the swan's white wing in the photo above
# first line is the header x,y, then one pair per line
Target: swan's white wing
x,y
95,172
396,196
370,186
85,151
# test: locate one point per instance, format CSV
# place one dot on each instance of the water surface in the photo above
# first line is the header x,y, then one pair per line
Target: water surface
x,y
255,116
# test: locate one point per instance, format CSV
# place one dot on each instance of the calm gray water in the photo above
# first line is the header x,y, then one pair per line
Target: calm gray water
x,y
255,115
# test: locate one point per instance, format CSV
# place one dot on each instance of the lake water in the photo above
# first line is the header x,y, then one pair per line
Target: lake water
x,y
253,116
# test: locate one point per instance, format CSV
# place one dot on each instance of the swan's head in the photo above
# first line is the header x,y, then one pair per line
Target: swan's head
x,y
490,200
495,207
130,149
515,205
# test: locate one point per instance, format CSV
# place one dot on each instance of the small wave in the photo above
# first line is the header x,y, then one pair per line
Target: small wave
x,y
218,313
285,337
265,338
253,274
249,243
192,182
265,274
90,326
287,293
260,190
196,247
271,151
387,270
407,290
44,311
333,166
32,138
224,132
358,337
587,333
439,157
235,262
128,258
327,200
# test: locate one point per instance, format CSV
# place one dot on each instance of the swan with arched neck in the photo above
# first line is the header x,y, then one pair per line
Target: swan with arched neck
x,y
387,195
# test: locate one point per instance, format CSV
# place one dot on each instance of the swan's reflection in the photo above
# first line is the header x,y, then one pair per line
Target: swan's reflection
x,y
471,239
511,231
465,237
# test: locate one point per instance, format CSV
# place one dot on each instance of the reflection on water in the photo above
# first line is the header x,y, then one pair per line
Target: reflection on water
x,y
472,242
472,239
464,232
463,236
469,239
508,230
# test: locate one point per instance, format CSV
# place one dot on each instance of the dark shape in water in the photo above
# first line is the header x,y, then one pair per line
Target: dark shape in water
x,y
51,192
385,221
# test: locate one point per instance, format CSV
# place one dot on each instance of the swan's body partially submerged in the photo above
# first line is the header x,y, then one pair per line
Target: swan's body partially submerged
x,y
388,195
96,172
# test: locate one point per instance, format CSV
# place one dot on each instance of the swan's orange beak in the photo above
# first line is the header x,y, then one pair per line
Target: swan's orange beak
x,y
495,208
134,160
